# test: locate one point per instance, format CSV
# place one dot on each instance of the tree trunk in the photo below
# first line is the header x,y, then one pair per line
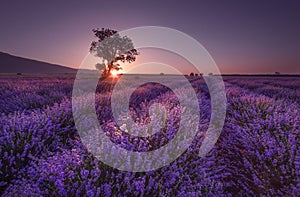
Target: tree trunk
x,y
109,69
106,72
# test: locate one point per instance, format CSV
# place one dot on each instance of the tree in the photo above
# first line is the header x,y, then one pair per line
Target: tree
x,y
191,74
112,48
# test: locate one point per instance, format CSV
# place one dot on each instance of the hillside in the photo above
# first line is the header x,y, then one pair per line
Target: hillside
x,y
14,64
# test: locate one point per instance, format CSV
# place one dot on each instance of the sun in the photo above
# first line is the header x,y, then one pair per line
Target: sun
x,y
114,73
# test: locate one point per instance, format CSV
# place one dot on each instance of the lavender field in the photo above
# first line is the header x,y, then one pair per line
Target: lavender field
x,y
257,153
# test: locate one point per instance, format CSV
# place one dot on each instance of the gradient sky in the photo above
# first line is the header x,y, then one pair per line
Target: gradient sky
x,y
242,37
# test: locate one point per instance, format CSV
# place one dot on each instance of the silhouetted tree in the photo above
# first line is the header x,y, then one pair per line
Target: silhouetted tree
x,y
192,74
111,48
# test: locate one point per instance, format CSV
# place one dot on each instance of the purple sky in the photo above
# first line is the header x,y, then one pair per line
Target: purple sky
x,y
242,37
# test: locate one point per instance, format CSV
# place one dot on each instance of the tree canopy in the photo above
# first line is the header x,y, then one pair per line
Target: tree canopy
x,y
111,48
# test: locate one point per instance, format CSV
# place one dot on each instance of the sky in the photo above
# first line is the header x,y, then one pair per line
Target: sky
x,y
241,36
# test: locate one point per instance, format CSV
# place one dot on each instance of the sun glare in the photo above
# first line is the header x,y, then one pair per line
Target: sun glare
x,y
114,73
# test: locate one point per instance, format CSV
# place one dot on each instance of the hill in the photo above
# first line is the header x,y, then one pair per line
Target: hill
x,y
14,64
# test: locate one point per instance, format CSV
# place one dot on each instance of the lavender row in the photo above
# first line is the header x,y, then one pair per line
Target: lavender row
x,y
256,154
